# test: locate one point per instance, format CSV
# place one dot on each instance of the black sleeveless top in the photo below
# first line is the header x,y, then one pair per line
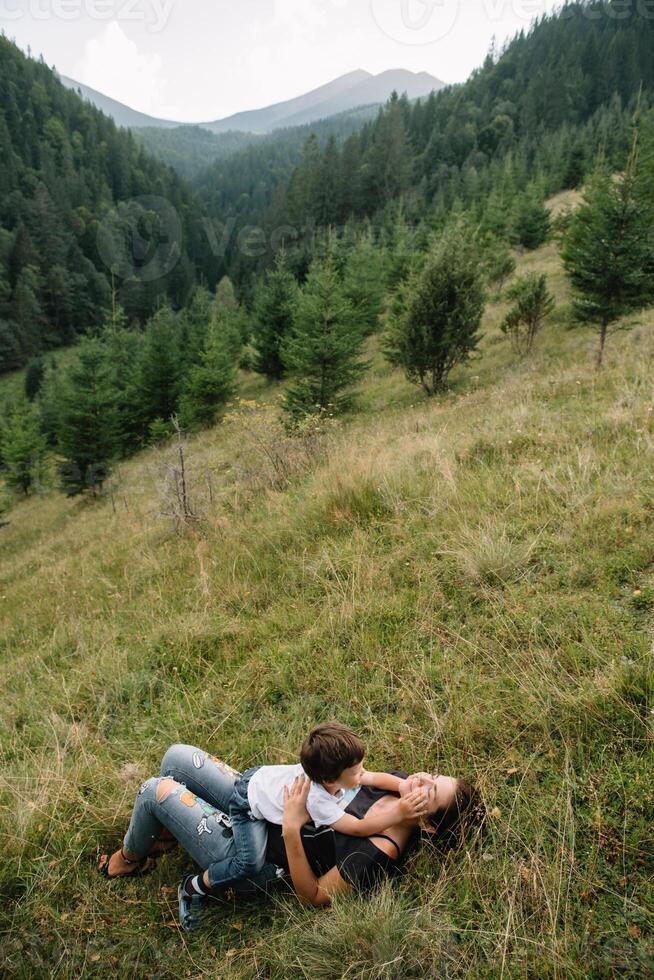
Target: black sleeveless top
x,y
360,862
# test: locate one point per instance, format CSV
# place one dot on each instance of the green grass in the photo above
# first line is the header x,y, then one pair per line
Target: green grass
x,y
468,581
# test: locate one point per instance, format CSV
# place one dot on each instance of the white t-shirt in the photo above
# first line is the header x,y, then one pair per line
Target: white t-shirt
x,y
266,796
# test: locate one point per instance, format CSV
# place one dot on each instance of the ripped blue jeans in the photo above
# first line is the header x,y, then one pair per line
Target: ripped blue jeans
x,y
191,798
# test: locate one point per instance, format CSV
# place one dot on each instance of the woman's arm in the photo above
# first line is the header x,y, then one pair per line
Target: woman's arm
x,y
310,889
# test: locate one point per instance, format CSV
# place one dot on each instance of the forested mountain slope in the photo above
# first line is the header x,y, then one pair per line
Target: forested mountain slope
x,y
192,149
121,114
68,176
530,121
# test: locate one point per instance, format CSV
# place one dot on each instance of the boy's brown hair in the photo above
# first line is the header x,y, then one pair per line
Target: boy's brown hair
x,y
330,749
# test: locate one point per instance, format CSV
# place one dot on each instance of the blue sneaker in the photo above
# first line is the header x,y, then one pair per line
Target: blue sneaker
x,y
191,907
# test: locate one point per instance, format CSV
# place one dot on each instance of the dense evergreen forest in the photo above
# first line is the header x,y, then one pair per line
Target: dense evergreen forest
x,y
190,150
284,257
529,122
67,172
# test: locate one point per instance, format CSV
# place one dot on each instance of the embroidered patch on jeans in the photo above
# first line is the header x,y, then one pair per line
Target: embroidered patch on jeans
x,y
224,767
143,787
199,759
203,827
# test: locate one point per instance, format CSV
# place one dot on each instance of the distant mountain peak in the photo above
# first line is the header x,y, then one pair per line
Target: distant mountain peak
x,y
349,91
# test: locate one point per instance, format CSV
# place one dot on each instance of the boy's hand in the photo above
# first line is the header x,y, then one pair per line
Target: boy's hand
x,y
414,805
418,780
422,779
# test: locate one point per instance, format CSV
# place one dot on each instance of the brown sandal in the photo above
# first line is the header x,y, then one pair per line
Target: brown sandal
x,y
143,867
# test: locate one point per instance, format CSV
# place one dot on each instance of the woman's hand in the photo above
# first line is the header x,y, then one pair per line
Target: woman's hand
x,y
295,804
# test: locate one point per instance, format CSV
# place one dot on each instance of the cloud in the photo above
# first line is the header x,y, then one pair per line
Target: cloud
x,y
302,16
113,64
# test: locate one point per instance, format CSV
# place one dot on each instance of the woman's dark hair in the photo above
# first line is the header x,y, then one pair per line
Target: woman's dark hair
x,y
330,749
465,811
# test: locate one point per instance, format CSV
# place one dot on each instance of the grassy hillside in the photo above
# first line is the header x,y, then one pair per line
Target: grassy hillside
x,y
468,581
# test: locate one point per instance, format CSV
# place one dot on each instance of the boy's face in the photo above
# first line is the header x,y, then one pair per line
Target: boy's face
x,y
349,778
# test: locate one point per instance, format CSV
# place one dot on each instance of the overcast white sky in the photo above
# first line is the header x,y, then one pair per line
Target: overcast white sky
x,y
196,60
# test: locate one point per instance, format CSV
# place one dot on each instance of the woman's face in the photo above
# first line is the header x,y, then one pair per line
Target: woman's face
x,y
441,794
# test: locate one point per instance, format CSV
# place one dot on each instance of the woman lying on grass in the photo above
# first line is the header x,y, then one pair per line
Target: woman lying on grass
x,y
187,804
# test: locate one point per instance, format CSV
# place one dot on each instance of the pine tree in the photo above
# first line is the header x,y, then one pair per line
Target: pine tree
x,y
34,378
159,370
322,352
350,180
499,261
21,254
496,216
274,306
363,283
229,319
390,156
532,304
48,401
27,311
402,253
194,326
644,189
11,355
305,188
575,167
439,324
123,348
607,253
87,429
330,185
532,220
210,383
225,298
23,447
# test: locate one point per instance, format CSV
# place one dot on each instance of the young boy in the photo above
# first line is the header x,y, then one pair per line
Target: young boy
x,y
332,757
